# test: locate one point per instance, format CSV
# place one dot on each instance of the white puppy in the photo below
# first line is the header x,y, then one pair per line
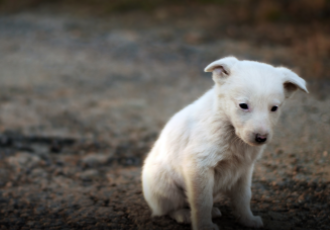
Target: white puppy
x,y
209,148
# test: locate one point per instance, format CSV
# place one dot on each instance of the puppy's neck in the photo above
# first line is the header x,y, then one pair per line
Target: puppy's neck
x,y
220,114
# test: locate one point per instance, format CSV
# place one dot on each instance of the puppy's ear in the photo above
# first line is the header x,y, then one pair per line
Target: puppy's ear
x,y
291,82
221,68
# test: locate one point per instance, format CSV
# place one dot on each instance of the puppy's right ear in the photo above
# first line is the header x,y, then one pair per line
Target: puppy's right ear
x,y
292,82
221,68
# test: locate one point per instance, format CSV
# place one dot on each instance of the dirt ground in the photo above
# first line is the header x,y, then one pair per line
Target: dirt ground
x,y
82,99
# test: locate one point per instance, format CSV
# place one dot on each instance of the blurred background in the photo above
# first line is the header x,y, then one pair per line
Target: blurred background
x,y
98,69
87,85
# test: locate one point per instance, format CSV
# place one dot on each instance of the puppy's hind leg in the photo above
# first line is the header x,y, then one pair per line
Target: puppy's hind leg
x,y
160,191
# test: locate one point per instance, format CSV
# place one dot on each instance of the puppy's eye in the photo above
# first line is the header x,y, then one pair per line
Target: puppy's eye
x,y
244,106
274,108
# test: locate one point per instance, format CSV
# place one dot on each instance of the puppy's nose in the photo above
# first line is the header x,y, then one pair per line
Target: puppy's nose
x,y
261,138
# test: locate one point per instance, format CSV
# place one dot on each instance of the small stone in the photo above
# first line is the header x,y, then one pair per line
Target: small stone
x,y
23,160
325,153
40,150
89,174
9,184
38,172
96,159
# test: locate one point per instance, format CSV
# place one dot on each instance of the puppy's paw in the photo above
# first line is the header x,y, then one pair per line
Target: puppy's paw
x,y
211,226
216,212
181,216
253,222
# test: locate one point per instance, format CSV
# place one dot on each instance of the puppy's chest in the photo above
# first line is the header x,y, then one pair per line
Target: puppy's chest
x,y
227,173
236,162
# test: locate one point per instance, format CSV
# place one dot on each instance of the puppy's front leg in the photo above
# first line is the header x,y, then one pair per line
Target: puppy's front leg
x,y
200,182
241,196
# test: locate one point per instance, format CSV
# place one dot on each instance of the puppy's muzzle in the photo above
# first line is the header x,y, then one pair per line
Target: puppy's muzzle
x,y
261,138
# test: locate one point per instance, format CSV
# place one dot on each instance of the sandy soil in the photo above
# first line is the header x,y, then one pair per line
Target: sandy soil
x,y
83,98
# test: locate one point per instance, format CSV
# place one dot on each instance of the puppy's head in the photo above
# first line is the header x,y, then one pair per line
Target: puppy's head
x,y
251,94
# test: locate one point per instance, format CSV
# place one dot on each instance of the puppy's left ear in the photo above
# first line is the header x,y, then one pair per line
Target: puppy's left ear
x,y
221,69
291,82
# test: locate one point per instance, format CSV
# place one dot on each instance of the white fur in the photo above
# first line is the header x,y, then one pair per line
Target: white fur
x,y
208,149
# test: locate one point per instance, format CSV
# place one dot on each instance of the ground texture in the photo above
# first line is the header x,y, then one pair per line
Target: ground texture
x,y
82,99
